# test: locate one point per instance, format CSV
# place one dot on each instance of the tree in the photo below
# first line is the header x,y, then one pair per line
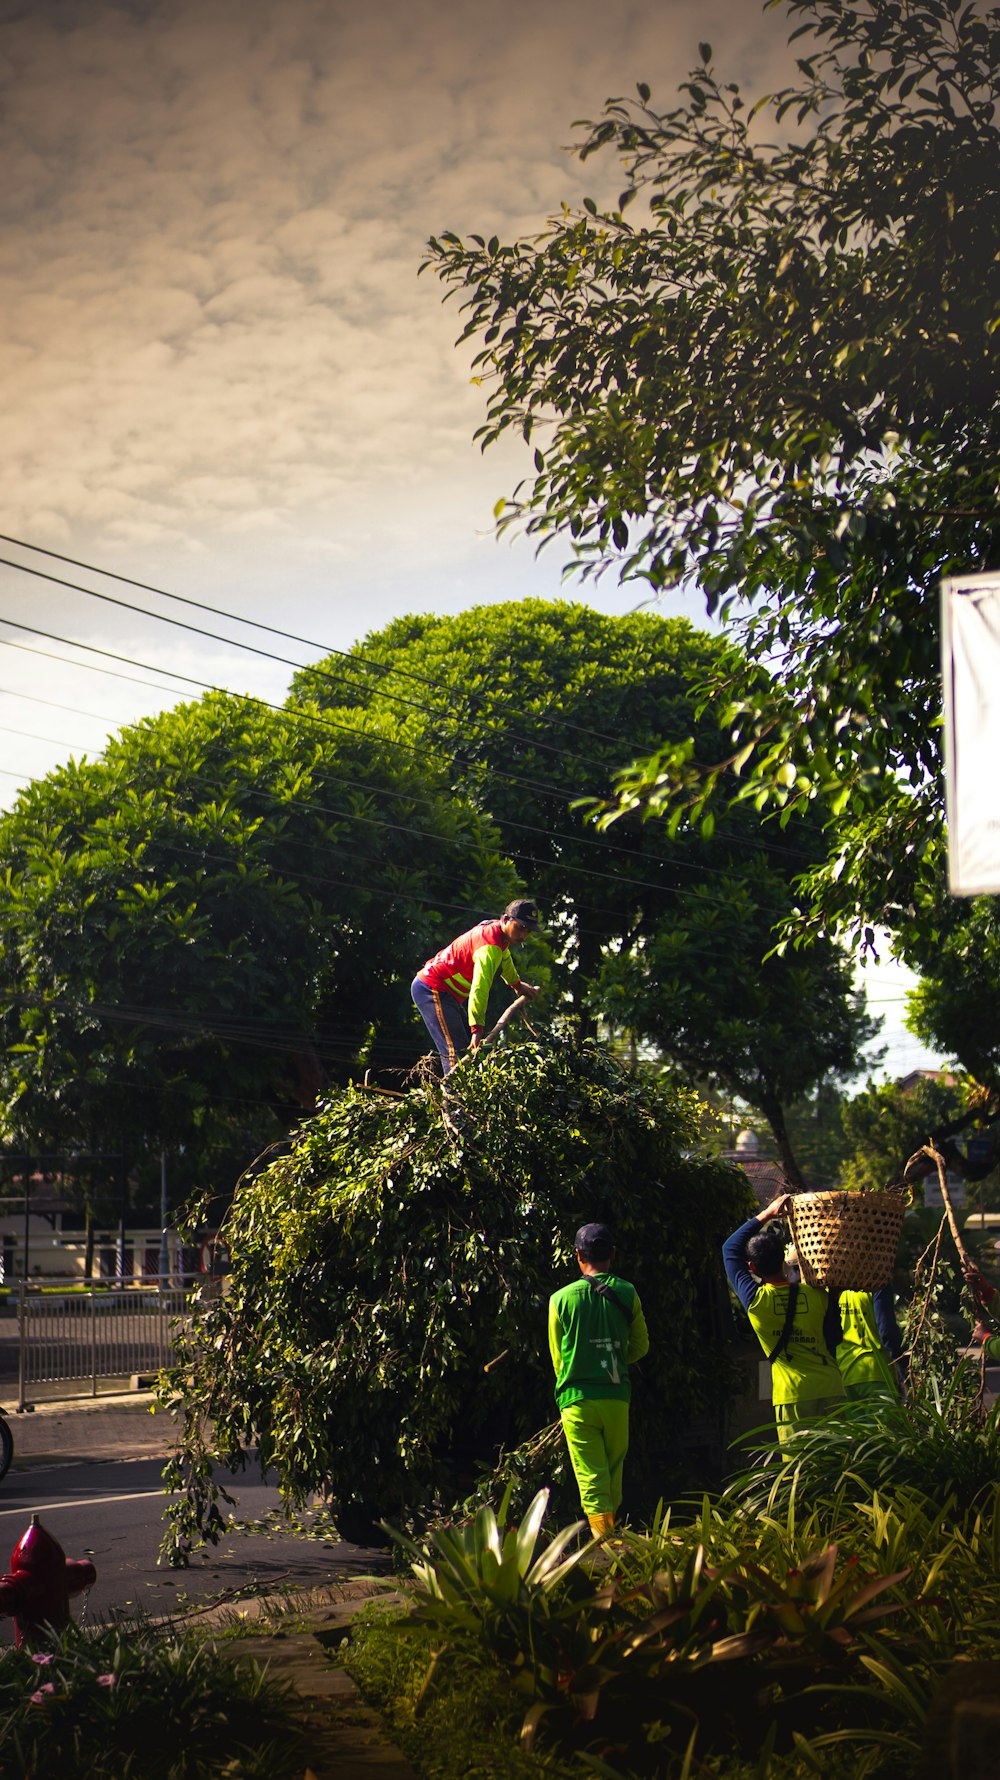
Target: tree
x,y
781,380
886,1124
200,929
708,993
384,1330
531,704
526,706
954,1006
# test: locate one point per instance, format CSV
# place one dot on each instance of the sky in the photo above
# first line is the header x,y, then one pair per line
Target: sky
x,y
221,373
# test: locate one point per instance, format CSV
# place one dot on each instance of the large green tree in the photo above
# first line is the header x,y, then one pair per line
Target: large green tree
x,y
772,366
711,993
200,929
527,706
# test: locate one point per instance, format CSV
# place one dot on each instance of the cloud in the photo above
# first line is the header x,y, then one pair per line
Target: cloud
x,y
213,214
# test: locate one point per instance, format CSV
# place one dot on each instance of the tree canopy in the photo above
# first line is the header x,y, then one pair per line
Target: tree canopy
x,y
713,996
772,367
203,927
529,705
526,706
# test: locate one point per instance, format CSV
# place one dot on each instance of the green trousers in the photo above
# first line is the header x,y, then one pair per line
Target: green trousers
x,y
804,1414
597,1436
869,1388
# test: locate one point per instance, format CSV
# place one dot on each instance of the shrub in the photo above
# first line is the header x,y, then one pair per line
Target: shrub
x,y
133,1703
827,1641
939,1442
384,1329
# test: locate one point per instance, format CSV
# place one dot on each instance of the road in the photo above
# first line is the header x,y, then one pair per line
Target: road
x,y
112,1513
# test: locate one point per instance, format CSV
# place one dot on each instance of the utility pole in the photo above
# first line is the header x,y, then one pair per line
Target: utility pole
x,y
164,1248
26,1164
122,1215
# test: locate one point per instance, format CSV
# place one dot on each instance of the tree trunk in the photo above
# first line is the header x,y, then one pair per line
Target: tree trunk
x,y
588,957
774,1113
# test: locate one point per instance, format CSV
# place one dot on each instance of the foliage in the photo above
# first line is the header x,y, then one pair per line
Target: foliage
x,y
485,1577
781,378
885,1124
590,1651
734,1644
816,1132
768,1028
532,704
938,1442
384,1326
869,1604
527,704
129,1701
186,946
951,1008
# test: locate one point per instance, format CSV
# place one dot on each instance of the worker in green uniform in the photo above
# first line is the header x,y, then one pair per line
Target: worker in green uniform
x,y
871,1347
596,1332
797,1325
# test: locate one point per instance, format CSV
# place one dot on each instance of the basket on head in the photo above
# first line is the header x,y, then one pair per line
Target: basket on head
x,y
847,1241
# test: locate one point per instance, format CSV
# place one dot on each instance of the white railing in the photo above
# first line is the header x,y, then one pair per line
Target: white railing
x,y
77,1335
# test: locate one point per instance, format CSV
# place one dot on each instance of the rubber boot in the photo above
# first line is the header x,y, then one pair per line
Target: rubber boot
x,y
601,1525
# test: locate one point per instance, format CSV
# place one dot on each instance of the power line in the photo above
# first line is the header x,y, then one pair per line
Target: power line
x,y
255,624
298,716
283,660
514,780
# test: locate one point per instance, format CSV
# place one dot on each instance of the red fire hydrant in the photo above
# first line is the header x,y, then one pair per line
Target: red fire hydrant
x,y
41,1579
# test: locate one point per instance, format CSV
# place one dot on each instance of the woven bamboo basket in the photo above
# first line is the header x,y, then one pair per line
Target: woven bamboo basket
x,y
847,1241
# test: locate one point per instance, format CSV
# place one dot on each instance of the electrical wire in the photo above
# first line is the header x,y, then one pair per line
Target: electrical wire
x,y
285,661
297,716
352,656
509,736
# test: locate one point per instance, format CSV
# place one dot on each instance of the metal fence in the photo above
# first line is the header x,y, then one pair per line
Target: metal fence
x,y
78,1336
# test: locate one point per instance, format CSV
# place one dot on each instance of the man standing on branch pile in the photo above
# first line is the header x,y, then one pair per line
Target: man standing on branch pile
x,y
596,1332
798,1326
461,976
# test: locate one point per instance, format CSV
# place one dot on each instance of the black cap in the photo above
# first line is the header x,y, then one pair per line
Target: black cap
x,y
525,912
594,1242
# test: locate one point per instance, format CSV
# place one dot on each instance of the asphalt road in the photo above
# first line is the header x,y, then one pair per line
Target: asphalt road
x,y
112,1513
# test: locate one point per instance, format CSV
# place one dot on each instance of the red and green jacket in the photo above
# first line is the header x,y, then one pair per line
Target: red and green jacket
x,y
467,967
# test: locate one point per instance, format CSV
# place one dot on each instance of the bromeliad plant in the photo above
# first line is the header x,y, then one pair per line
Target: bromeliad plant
x,y
485,1578
696,1655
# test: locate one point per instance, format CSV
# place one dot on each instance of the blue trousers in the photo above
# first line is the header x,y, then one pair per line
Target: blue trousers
x,y
445,1020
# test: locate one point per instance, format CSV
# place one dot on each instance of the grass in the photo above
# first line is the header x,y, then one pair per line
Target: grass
x,y
454,1712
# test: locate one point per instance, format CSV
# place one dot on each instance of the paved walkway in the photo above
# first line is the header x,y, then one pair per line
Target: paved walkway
x,y
344,1737
72,1431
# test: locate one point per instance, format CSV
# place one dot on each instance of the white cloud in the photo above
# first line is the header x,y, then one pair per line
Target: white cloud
x,y
214,215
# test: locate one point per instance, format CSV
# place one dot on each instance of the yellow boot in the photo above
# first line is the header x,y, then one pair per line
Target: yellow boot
x,y
601,1525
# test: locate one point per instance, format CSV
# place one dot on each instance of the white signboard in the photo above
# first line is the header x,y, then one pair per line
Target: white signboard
x,y
970,665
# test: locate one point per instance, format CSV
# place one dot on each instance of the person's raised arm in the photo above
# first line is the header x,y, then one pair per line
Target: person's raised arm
x,y
734,1259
